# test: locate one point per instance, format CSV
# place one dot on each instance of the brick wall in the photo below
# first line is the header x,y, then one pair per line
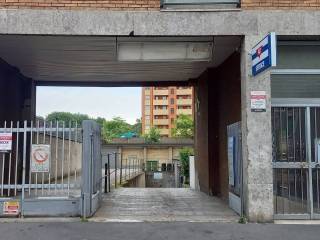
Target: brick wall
x,y
280,4
83,4
148,5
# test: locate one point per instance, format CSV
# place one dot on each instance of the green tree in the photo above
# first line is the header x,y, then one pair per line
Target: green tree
x,y
152,136
137,127
184,127
67,117
100,121
114,128
185,153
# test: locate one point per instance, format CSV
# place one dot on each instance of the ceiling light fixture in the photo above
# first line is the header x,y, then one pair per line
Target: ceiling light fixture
x,y
164,51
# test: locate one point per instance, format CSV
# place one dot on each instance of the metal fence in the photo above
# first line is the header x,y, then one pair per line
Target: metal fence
x,y
296,161
118,170
39,160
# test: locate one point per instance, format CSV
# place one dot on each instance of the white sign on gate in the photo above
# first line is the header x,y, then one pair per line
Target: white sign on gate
x,y
5,142
40,158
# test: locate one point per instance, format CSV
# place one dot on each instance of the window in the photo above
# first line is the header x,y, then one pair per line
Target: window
x,y
172,91
184,97
152,166
171,100
147,109
172,110
147,97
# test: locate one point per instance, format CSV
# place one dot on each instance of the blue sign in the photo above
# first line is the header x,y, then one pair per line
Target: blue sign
x,y
264,54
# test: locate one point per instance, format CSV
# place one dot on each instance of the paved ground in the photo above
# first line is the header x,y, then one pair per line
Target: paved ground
x,y
162,204
157,231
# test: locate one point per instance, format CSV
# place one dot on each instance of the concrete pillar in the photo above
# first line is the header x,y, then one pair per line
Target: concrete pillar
x,y
145,155
119,157
256,140
170,154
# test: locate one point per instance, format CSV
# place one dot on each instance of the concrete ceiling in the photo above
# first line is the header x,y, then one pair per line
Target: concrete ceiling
x,y
93,59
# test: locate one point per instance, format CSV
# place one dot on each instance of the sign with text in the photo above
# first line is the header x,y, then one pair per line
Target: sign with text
x,y
40,158
258,101
264,54
11,208
157,175
5,142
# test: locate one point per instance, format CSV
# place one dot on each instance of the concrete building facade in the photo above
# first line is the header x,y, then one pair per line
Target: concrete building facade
x,y
161,106
54,43
163,152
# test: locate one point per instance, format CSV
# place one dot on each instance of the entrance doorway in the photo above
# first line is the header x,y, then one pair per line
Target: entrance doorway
x,y
296,160
210,64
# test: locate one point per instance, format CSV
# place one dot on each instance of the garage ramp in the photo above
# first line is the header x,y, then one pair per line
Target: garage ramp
x,y
162,204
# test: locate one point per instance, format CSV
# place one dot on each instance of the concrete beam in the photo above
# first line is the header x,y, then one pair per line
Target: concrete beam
x,y
157,23
256,141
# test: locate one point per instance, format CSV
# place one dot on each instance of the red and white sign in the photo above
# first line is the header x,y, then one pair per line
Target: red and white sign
x,y
258,101
11,208
5,142
40,158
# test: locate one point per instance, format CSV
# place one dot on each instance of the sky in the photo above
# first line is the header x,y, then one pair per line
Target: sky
x,y
124,102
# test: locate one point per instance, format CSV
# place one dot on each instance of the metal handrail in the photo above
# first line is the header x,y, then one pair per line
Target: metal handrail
x,y
122,169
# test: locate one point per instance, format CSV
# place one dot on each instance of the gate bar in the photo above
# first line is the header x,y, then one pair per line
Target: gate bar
x,y
308,143
3,160
16,163
24,165
10,160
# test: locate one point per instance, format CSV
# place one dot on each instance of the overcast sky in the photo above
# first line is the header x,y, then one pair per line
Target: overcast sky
x,y
96,102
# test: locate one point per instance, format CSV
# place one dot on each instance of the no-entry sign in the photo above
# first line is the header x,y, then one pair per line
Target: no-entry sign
x,y
40,158
5,142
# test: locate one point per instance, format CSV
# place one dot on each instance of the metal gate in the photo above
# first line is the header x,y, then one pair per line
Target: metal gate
x,y
41,168
235,167
296,159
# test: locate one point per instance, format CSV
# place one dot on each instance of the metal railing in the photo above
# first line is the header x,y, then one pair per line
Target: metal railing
x,y
18,171
118,170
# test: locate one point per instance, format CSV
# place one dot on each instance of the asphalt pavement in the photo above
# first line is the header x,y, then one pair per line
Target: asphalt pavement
x,y
156,231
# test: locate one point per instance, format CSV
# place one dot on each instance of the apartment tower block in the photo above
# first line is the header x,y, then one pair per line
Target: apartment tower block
x,y
162,105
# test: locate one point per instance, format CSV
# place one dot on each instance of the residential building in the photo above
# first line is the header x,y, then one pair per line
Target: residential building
x,y
162,105
267,168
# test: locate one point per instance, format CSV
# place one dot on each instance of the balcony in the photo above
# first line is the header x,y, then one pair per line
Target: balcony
x,y
164,131
186,91
161,92
199,4
160,112
184,101
160,121
184,111
160,102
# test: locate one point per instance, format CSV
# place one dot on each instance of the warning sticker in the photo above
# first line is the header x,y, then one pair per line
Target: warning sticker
x,y
5,142
11,208
258,101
